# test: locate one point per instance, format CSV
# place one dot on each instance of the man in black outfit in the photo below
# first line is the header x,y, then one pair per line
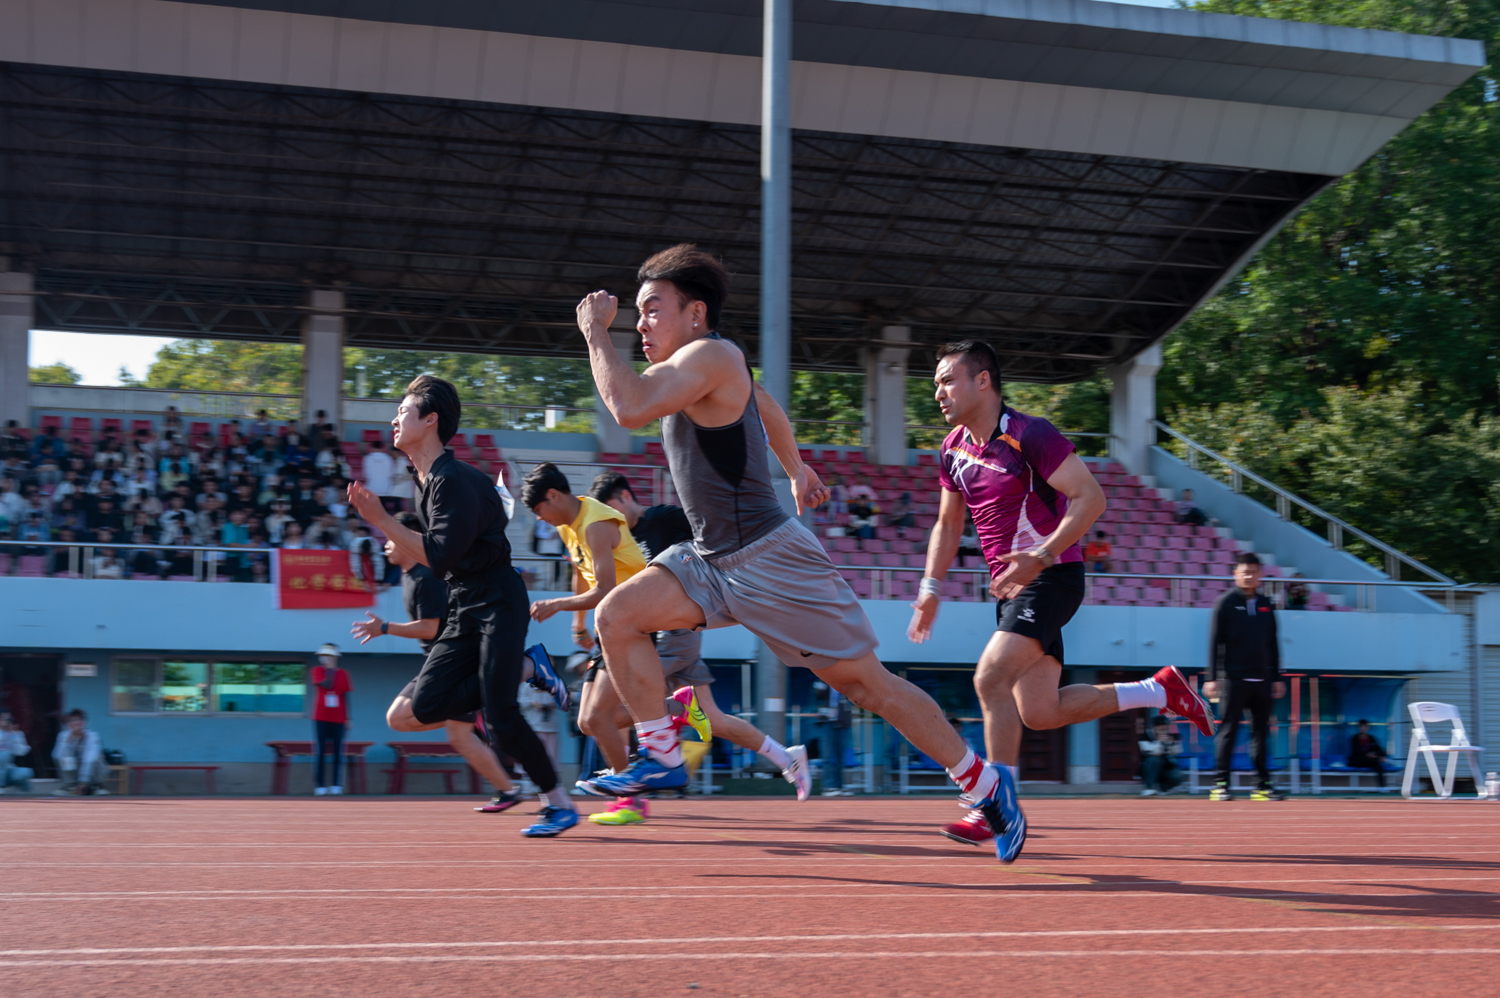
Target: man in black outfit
x,y
1365,753
1244,673
477,657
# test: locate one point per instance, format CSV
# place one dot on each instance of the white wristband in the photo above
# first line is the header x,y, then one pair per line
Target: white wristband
x,y
930,587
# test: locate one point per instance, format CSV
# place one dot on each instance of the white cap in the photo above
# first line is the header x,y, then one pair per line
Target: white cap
x,y
330,649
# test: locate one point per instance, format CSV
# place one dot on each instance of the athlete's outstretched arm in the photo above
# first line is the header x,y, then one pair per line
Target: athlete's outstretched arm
x,y
601,537
1085,503
662,389
808,489
942,546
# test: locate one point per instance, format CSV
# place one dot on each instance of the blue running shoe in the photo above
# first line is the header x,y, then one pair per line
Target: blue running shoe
x,y
644,774
1003,813
552,821
546,678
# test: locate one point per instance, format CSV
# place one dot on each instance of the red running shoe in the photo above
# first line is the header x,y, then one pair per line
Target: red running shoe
x,y
971,830
1182,700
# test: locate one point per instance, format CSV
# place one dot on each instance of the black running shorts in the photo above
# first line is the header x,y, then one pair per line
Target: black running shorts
x,y
410,690
1043,607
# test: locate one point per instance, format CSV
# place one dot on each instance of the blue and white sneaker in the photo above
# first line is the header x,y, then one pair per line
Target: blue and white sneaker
x,y
545,677
642,775
552,821
1002,811
587,786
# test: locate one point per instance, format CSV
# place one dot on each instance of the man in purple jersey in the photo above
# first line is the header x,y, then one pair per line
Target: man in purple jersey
x,y
1032,499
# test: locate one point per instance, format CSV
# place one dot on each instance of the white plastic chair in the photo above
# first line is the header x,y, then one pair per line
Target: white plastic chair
x,y
1427,712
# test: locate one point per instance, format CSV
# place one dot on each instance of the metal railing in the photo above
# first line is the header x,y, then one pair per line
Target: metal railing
x,y
1238,475
207,559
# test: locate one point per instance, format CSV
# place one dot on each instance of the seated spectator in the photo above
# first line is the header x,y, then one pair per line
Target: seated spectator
x,y
47,445
837,497
62,560
13,746
106,516
66,514
1097,553
11,441
78,756
1365,753
1188,511
861,519
182,561
366,556
902,513
34,529
12,503
968,542
107,563
862,490
378,467
173,474
291,537
171,421
235,534
177,522
277,522
1159,752
326,534
261,428
1296,593
305,505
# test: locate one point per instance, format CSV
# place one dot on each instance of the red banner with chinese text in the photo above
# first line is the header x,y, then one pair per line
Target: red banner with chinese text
x,y
317,580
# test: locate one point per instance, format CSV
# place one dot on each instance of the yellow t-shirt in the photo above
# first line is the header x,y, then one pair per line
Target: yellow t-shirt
x,y
628,557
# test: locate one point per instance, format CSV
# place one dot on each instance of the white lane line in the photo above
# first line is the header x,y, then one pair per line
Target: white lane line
x,y
987,896
1173,954
817,938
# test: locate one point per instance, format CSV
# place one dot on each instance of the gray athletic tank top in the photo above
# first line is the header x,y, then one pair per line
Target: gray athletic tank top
x,y
723,477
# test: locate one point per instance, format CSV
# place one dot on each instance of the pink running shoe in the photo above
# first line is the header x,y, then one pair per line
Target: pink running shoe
x,y
971,830
1182,700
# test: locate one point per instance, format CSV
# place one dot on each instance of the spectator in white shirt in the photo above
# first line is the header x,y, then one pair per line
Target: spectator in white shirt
x,y
1159,751
378,468
78,755
13,746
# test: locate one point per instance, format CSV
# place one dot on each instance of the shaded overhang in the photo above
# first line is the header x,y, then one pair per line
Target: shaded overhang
x,y
1068,180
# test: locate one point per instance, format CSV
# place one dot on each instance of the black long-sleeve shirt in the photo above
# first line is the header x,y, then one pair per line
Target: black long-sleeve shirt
x,y
463,523
659,528
1242,644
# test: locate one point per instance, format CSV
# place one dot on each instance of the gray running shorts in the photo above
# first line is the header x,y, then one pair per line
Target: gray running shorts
x,y
784,590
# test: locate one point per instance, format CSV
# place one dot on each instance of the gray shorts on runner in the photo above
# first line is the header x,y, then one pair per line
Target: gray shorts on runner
x,y
784,590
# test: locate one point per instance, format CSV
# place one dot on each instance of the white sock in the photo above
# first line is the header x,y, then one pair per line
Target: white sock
x,y
659,741
1015,773
974,777
1146,693
558,797
775,754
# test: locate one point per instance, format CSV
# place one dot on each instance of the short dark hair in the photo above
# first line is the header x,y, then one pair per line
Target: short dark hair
x,y
433,394
695,273
608,484
540,480
76,712
1247,558
377,444
409,520
978,356
1362,721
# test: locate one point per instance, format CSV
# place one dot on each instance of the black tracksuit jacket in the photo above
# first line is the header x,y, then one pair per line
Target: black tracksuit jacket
x,y
1242,645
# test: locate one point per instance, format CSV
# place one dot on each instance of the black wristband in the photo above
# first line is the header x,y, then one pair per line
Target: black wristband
x,y
385,627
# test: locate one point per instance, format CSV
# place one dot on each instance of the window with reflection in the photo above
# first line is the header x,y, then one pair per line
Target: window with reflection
x,y
185,686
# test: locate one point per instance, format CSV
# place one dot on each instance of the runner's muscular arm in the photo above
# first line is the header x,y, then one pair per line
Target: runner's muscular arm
x,y
688,376
808,489
1085,503
581,636
942,547
425,629
602,537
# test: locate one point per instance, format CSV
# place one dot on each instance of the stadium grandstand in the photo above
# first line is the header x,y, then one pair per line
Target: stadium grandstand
x,y
1065,179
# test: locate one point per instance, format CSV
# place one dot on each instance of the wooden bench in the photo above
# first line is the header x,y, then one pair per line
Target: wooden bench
x,y
136,778
392,775
406,751
354,761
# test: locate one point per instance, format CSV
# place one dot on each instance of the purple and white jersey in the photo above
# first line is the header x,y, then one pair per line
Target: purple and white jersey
x,y
1004,484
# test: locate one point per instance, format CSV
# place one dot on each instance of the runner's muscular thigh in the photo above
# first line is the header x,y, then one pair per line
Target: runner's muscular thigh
x,y
648,602
1007,656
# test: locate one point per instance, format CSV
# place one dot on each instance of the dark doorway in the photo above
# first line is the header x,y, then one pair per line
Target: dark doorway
x,y
1119,755
29,689
1044,755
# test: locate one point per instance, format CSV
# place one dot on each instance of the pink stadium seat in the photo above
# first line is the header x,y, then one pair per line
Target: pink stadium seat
x,y
482,440
459,440
140,424
195,429
655,449
370,436
55,421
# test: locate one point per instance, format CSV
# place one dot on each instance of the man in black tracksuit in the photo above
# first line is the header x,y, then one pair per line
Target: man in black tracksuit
x,y
1244,673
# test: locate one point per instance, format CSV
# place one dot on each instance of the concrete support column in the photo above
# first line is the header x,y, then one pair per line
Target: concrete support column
x,y
885,397
1132,406
323,357
770,687
15,347
776,201
612,437
1083,739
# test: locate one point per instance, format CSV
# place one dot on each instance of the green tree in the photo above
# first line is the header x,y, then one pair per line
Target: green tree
x,y
53,374
225,366
1355,360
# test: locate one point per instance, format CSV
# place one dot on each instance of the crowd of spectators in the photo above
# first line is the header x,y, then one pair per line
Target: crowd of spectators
x,y
164,491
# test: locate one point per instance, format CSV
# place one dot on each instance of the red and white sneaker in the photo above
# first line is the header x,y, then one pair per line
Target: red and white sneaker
x,y
971,830
1182,700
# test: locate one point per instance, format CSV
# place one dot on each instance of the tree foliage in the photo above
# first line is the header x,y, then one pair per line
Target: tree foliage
x,y
53,374
1355,360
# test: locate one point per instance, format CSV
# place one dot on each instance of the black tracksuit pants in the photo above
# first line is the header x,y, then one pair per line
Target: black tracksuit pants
x,y
476,663
1235,697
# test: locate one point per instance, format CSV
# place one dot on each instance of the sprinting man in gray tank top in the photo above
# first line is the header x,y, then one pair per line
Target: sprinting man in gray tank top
x,y
748,563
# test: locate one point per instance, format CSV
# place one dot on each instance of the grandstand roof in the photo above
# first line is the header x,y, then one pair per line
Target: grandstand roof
x,y
1065,178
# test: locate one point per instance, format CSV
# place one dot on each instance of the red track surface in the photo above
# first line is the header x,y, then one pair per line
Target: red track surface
x,y
373,897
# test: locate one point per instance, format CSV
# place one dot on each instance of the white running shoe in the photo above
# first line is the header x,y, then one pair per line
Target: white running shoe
x,y
321,792
335,790
797,772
